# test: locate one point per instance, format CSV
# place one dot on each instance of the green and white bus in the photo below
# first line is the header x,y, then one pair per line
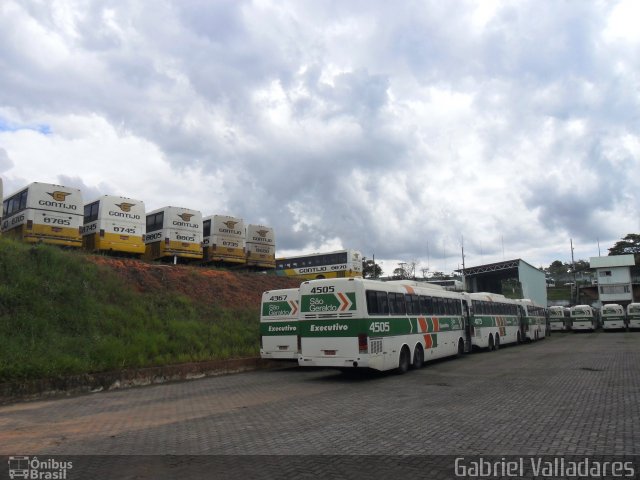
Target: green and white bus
x,y
359,323
583,318
279,324
612,316
534,320
557,318
494,321
633,315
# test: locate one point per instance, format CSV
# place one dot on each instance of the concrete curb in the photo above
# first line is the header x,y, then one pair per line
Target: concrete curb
x,y
97,382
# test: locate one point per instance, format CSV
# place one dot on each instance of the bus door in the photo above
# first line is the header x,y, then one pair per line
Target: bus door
x,y
523,323
466,314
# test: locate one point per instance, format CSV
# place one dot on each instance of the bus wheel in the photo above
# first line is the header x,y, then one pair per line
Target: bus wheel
x,y
519,338
405,358
460,348
491,345
418,357
497,345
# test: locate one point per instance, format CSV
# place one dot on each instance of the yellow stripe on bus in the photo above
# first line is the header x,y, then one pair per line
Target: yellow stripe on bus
x,y
114,241
65,236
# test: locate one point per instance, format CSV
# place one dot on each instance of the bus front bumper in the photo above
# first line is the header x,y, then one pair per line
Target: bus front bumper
x,y
613,325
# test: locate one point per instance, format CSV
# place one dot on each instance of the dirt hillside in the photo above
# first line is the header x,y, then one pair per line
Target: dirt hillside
x,y
207,284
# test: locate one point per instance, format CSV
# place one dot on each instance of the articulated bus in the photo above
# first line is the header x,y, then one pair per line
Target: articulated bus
x,y
633,315
279,324
583,318
43,212
534,320
261,247
173,232
612,316
357,323
341,263
114,224
557,318
223,240
495,320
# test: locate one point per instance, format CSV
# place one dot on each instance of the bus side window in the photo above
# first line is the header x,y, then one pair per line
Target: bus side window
x,y
377,302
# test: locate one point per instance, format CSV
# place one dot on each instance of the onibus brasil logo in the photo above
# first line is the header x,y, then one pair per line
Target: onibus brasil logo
x,y
35,468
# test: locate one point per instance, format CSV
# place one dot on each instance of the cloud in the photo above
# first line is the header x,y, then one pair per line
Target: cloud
x,y
397,130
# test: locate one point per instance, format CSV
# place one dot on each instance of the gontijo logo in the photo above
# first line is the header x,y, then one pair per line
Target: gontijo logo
x,y
59,196
125,207
230,224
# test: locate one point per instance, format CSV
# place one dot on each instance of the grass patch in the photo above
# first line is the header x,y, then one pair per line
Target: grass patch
x,y
61,314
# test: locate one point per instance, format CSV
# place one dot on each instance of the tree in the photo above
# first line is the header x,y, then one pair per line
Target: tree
x,y
628,245
405,270
439,276
370,269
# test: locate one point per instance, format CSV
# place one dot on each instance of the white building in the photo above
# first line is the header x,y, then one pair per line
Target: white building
x,y
614,278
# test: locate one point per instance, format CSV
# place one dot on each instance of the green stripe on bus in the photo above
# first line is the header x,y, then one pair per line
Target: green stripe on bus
x,y
278,328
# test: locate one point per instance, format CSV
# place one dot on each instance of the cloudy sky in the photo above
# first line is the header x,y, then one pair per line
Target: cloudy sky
x,y
397,128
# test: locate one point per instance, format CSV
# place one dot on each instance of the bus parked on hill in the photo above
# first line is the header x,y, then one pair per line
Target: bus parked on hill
x,y
340,263
279,324
223,240
495,320
44,212
359,323
612,317
261,247
557,319
534,320
633,315
114,224
173,232
583,318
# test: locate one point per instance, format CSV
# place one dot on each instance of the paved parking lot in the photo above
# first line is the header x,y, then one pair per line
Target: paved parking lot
x,y
570,394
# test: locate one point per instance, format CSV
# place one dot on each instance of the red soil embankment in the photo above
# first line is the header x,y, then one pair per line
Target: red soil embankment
x,y
203,284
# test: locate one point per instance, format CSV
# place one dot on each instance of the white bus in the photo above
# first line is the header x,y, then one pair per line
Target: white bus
x,y
612,317
173,232
583,318
261,247
114,224
534,320
359,323
340,263
633,315
44,212
223,240
494,320
279,324
557,318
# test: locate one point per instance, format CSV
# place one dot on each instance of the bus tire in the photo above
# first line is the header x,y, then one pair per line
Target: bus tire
x,y
497,343
418,357
491,344
404,360
460,348
519,338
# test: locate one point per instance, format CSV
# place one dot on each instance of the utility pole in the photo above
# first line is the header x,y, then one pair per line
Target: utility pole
x,y
464,278
573,263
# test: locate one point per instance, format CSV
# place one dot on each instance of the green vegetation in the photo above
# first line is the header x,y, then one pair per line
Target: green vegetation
x,y
61,314
559,293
